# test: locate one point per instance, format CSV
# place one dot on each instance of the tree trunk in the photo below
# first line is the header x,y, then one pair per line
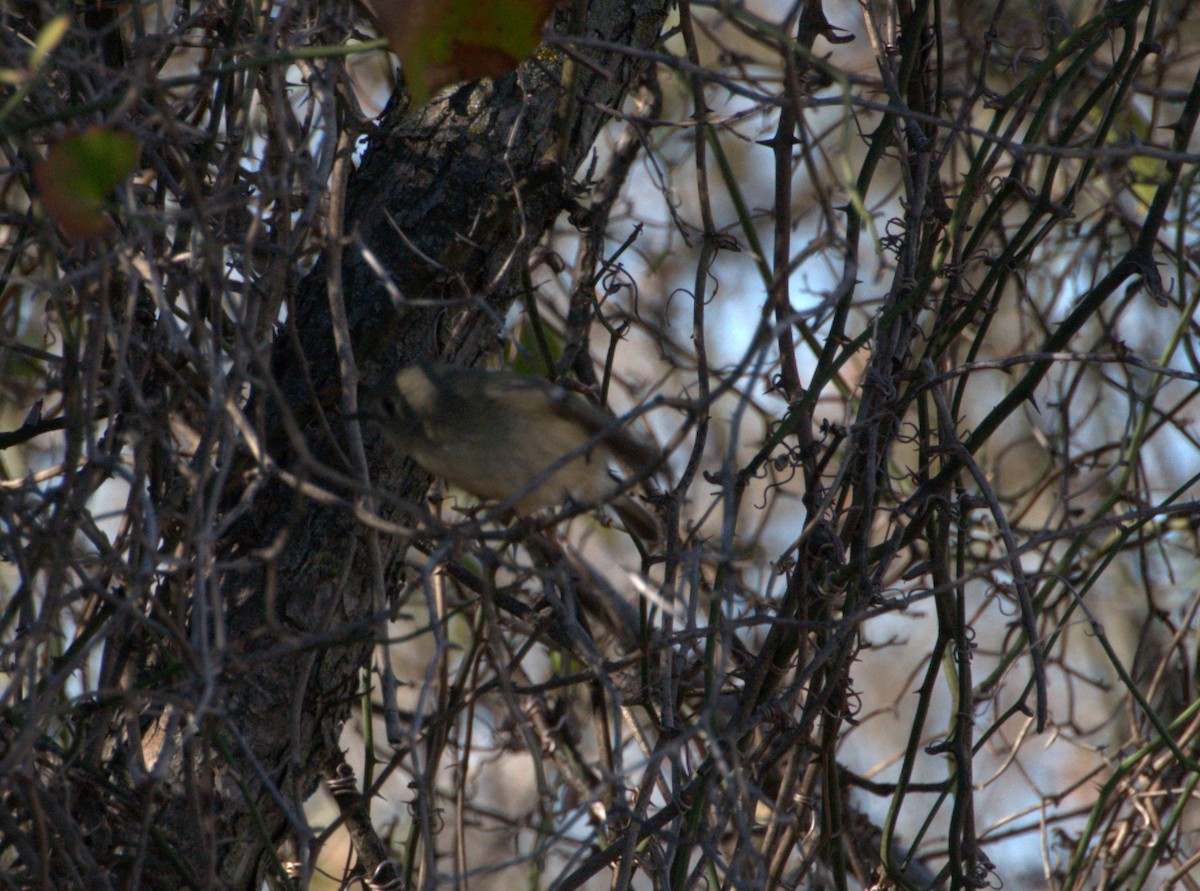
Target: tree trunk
x,y
262,705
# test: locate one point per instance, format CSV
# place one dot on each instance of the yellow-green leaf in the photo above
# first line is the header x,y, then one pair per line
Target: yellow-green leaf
x,y
48,38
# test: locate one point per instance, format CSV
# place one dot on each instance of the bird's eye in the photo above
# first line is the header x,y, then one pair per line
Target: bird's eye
x,y
390,407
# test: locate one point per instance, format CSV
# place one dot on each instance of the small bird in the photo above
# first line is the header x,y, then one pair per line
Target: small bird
x,y
507,436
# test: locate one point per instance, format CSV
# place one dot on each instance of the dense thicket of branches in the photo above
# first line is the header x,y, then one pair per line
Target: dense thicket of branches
x,y
906,295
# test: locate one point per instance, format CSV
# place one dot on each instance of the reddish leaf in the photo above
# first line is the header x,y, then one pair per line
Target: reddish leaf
x,y
442,42
79,174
